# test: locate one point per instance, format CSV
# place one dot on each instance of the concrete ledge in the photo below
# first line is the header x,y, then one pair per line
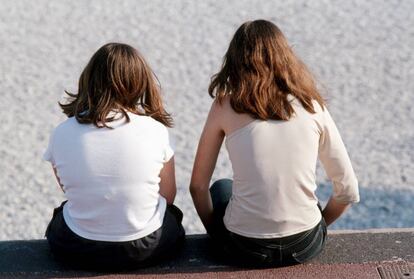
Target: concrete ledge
x,y
367,249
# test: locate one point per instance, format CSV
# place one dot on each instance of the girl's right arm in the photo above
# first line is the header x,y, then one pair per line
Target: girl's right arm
x,y
167,184
336,162
333,210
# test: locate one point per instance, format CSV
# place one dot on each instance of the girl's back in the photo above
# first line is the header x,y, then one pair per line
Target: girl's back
x,y
274,171
111,175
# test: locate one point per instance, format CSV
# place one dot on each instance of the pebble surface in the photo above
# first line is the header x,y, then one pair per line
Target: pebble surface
x,y
360,51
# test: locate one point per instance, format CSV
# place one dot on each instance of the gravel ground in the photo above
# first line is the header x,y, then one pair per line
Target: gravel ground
x,y
360,51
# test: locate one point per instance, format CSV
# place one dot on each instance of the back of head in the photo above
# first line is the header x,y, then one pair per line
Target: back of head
x,y
259,71
117,78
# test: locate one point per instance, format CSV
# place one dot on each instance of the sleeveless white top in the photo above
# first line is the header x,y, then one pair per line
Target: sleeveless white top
x,y
110,176
274,180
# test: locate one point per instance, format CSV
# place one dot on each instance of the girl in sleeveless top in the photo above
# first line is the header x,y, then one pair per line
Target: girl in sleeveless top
x,y
275,125
113,160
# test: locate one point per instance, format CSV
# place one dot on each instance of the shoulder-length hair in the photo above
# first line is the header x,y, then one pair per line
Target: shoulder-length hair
x,y
117,78
260,70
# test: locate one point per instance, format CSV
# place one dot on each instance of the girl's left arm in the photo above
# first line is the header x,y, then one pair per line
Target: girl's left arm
x,y
58,179
205,161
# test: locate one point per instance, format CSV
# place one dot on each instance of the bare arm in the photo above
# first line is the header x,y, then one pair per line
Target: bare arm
x,y
204,164
58,179
168,187
333,210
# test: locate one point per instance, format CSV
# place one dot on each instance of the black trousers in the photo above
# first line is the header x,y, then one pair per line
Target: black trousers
x,y
79,252
293,249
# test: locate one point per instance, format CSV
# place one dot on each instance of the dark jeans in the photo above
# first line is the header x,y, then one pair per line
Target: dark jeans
x,y
79,252
297,248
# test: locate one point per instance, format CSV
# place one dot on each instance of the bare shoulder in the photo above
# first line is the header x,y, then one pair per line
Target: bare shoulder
x,y
218,110
223,108
229,119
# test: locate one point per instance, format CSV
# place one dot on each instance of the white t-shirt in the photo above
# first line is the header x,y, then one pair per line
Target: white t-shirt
x,y
111,176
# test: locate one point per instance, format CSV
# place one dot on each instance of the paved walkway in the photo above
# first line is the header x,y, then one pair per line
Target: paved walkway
x,y
353,254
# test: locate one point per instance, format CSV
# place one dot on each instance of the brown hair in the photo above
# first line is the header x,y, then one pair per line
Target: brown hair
x,y
259,70
117,78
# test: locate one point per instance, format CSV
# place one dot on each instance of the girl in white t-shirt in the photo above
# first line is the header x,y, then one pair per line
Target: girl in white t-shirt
x,y
113,159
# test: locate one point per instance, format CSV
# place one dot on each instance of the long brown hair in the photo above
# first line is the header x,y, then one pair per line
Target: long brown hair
x,y
259,70
117,78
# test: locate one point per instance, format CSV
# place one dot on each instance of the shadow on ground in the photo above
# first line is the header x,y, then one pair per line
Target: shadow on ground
x,y
378,208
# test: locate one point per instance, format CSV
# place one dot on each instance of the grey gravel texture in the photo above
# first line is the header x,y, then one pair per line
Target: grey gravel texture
x,y
360,51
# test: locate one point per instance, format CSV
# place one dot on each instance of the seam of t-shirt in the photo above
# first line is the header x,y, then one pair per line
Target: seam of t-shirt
x,y
142,233
274,235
